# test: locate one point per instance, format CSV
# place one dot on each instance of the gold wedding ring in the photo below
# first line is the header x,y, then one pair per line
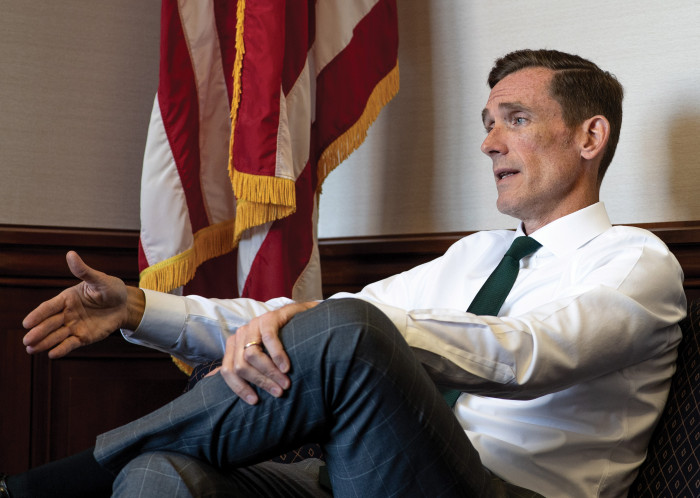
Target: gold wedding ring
x,y
254,343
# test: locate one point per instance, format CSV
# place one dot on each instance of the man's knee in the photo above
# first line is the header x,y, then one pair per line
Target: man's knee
x,y
352,311
356,328
153,474
356,317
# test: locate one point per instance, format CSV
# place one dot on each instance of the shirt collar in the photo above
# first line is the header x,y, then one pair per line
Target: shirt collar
x,y
572,231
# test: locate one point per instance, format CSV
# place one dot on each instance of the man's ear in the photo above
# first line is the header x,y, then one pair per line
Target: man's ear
x,y
596,132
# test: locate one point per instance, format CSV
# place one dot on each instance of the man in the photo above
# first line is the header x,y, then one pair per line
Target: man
x,y
561,387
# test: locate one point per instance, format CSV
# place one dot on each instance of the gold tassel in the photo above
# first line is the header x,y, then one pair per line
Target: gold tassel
x,y
184,367
345,144
171,273
261,199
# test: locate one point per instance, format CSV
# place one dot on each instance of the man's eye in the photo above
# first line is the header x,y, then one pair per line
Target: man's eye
x,y
519,120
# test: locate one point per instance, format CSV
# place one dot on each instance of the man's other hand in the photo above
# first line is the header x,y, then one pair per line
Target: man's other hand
x,y
255,355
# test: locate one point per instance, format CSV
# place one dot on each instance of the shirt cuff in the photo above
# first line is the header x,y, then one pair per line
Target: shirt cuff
x,y
162,323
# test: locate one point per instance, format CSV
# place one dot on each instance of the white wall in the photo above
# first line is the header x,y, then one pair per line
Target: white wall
x,y
78,77
77,82
421,169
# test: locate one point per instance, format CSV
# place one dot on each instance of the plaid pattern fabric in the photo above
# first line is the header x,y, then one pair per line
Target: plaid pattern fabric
x,y
354,375
307,451
171,475
672,467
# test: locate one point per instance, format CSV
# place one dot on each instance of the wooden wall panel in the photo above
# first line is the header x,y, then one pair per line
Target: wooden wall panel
x,y
15,400
50,409
119,385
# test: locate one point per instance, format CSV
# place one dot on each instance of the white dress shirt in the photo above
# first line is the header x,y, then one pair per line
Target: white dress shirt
x,y
564,386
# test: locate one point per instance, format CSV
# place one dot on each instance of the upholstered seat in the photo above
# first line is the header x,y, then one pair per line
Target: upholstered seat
x,y
672,466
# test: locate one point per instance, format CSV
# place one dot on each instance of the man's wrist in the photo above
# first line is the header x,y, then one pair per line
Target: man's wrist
x,y
135,307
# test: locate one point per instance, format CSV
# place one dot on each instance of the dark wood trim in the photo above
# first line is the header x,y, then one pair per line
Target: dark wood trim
x,y
60,236
34,256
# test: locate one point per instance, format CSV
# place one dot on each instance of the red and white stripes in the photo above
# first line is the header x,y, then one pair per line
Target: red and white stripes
x,y
303,82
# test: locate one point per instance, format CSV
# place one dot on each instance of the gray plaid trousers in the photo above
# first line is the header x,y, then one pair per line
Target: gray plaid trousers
x,y
356,388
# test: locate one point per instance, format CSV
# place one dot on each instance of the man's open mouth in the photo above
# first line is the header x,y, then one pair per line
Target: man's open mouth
x,y
505,174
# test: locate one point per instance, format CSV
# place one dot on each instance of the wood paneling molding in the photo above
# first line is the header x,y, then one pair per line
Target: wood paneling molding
x,y
36,255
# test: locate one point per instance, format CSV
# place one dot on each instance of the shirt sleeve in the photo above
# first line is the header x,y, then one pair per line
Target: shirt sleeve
x,y
194,328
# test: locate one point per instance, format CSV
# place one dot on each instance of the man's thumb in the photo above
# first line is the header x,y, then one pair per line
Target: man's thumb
x,y
78,267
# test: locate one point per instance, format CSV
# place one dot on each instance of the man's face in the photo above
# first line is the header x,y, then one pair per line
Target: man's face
x,y
536,160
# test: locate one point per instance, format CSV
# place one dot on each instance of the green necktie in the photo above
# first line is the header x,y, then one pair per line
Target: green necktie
x,y
493,293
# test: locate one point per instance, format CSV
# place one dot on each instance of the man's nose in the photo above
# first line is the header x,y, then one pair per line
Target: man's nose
x,y
494,142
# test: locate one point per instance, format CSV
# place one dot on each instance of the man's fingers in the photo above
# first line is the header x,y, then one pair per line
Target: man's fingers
x,y
56,304
238,385
65,347
270,325
263,372
255,361
49,340
275,349
42,330
234,382
243,367
213,372
43,311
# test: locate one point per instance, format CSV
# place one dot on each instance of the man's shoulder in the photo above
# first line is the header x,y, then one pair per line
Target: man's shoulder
x,y
620,239
632,235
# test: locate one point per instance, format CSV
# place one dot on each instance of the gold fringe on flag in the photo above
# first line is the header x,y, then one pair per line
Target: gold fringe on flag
x,y
259,198
215,240
184,367
210,242
345,144
267,198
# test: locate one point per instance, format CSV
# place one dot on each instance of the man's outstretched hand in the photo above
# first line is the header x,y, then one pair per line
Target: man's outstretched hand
x,y
83,314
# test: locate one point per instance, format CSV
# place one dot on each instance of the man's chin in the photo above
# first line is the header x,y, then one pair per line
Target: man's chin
x,y
507,208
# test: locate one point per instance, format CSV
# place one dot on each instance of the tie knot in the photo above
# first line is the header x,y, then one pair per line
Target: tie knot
x,y
522,246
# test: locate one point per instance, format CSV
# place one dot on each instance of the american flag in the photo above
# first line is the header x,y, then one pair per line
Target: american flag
x,y
257,102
